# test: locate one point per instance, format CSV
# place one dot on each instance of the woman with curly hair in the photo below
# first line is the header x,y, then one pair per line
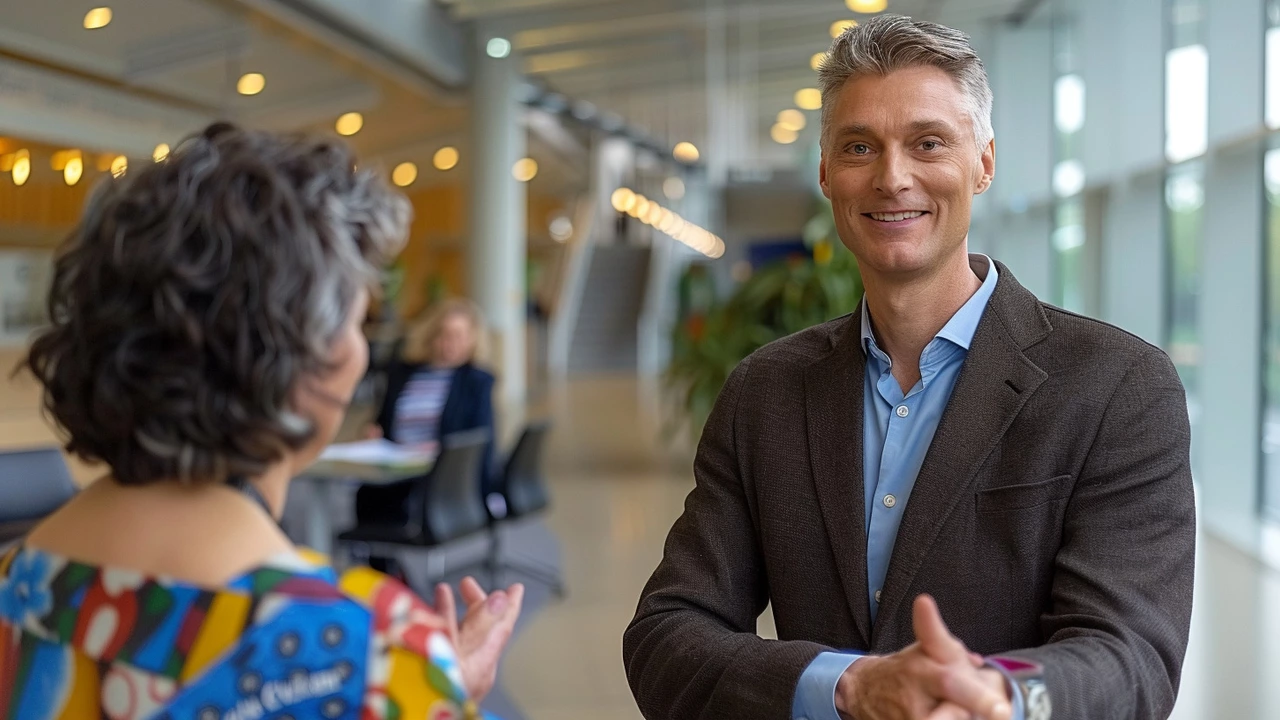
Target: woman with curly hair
x,y
205,343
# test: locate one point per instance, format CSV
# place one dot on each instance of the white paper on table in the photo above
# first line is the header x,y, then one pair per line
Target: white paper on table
x,y
376,452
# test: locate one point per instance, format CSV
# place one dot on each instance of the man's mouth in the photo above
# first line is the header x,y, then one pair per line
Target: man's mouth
x,y
894,216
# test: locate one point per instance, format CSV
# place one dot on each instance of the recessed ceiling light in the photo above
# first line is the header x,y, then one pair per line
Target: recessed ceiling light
x,y
525,169
446,158
783,135
404,174
792,119
867,6
119,165
815,62
686,152
498,48
251,83
98,17
809,99
838,27
161,152
21,167
349,123
74,170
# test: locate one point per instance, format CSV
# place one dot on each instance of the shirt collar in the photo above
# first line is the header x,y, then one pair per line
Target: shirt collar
x,y
962,326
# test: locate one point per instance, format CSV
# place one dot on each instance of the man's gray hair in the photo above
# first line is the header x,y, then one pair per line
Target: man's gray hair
x,y
893,42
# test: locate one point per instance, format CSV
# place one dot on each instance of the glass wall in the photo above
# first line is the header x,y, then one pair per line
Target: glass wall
x,y
1069,234
1271,281
1184,202
1271,341
1186,138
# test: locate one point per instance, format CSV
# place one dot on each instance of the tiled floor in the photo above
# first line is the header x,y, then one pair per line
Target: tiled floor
x,y
618,488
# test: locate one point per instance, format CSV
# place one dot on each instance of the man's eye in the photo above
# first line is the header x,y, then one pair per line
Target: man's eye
x,y
929,145
859,149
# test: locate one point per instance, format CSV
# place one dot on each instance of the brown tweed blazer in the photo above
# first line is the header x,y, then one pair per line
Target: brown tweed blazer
x,y
1053,519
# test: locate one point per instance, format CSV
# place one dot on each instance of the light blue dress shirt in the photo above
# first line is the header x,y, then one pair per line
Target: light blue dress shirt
x,y
897,431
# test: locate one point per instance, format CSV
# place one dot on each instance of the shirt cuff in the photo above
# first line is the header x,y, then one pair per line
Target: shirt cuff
x,y
1015,692
816,693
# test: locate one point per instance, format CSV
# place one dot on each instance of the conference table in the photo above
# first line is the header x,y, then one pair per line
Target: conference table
x,y
367,462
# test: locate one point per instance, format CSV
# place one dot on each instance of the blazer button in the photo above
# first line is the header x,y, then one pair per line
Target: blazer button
x,y
890,501
877,596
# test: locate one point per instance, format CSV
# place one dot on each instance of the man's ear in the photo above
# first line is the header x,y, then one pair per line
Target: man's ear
x,y
988,168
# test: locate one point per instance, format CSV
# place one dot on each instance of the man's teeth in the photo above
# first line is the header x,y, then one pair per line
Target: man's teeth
x,y
895,217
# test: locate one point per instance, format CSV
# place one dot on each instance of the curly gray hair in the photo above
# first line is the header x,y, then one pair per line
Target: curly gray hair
x,y
893,42
196,292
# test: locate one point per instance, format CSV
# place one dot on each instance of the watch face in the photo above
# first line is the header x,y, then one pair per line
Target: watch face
x,y
1037,701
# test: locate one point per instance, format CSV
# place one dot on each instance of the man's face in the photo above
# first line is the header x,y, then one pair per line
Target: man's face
x,y
901,167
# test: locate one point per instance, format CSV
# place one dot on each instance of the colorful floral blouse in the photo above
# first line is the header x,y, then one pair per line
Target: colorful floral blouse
x,y
287,640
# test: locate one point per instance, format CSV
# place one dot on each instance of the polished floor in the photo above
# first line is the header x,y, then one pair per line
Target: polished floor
x,y
618,484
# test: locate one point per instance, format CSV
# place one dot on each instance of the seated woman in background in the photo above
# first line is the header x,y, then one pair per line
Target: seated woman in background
x,y
205,343
434,389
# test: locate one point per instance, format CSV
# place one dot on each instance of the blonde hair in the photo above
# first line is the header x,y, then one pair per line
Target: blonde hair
x,y
422,335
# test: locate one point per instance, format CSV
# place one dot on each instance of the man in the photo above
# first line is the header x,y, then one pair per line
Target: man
x,y
959,501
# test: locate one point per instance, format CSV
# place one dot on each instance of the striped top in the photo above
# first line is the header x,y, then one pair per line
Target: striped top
x,y
420,405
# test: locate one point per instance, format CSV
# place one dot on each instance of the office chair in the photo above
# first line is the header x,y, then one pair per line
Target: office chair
x,y
33,484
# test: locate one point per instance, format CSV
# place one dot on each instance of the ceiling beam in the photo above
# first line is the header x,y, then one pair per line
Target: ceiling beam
x,y
188,49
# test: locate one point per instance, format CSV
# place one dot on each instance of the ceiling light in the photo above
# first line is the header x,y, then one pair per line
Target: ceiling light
x,y
623,199
404,174
783,135
525,169
640,208
251,83
349,124
561,229
838,27
809,99
161,152
686,152
498,48
21,167
73,171
446,158
98,17
792,119
119,165
673,188
816,61
866,6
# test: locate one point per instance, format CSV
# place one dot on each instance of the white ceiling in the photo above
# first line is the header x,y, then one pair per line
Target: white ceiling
x,y
648,60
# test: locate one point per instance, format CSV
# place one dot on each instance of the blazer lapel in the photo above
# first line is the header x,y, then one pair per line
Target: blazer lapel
x,y
833,411
995,383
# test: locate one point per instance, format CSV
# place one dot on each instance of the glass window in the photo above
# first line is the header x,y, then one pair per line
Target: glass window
x,y
1272,98
1184,202
1186,83
1271,343
1069,236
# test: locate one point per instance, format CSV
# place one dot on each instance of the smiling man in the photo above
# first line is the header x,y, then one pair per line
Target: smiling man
x,y
961,502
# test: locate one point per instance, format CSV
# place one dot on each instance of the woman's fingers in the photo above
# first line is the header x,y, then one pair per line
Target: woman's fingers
x,y
448,609
472,593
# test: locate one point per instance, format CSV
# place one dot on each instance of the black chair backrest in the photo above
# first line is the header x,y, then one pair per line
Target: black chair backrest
x,y
33,483
524,487
453,506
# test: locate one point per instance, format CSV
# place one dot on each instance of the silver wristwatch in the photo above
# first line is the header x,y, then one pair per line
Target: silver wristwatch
x,y
1029,677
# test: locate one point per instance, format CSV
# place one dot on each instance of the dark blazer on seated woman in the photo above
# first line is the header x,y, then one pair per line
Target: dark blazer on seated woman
x,y
468,405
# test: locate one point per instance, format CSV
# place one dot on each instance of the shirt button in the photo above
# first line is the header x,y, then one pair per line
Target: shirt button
x,y
903,411
877,596
890,501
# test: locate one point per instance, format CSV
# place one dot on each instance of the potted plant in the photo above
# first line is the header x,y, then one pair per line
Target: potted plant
x,y
779,299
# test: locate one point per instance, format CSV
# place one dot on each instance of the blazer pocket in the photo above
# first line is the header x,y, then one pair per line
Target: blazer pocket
x,y
1021,497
